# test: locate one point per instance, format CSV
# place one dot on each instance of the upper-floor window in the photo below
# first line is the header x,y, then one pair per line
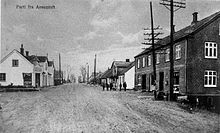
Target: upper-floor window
x,y
149,60
178,52
143,62
157,58
14,63
210,50
210,78
167,55
2,76
138,63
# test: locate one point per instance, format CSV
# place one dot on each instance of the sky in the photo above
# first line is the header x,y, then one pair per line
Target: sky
x,y
79,29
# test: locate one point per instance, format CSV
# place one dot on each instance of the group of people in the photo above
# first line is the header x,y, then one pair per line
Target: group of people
x,y
112,86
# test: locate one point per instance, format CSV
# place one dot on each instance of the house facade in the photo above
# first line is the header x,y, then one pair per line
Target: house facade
x,y
18,69
196,61
120,72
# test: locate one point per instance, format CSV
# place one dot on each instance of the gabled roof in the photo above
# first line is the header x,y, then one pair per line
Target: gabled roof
x,y
122,71
185,32
17,53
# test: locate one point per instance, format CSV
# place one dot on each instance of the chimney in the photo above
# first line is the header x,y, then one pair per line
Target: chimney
x,y
195,17
27,53
127,60
22,49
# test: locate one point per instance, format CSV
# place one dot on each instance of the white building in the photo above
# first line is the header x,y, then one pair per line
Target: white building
x,y
18,69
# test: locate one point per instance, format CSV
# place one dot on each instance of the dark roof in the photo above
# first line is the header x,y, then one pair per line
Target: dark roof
x,y
185,32
42,58
32,58
50,63
121,64
107,74
122,71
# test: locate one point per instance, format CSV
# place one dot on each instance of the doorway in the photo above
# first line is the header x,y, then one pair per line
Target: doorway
x,y
161,81
143,82
37,80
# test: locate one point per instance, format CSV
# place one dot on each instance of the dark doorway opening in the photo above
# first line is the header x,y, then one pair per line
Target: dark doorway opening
x,y
37,80
161,81
143,82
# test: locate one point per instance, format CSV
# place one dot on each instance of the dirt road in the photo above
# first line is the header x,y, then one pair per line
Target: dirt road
x,y
83,109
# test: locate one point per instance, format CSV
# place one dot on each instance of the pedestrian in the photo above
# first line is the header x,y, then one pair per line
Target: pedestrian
x,y
120,85
107,86
125,86
111,85
103,86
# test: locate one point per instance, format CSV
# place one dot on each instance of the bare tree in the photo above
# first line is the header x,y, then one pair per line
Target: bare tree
x,y
83,73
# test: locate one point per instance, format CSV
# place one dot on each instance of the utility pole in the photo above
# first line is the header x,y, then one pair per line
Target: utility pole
x,y
60,75
152,39
95,70
87,73
178,5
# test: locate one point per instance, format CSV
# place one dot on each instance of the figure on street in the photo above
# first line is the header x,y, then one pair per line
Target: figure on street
x,y
125,86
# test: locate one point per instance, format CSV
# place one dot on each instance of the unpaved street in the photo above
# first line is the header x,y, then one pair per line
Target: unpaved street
x,y
84,109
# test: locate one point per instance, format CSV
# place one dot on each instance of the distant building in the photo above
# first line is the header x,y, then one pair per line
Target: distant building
x,y
18,69
120,72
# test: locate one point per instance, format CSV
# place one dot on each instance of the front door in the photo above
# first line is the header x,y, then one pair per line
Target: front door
x,y
161,81
37,79
143,82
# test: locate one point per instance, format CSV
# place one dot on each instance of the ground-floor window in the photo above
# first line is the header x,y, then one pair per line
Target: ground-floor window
x,y
210,78
2,76
27,79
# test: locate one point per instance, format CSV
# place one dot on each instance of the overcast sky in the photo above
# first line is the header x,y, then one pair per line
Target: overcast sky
x,y
79,29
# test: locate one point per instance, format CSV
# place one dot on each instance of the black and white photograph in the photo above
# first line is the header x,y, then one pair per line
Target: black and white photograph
x,y
110,66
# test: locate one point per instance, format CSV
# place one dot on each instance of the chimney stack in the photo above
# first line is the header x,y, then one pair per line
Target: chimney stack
x,y
127,60
22,49
195,17
27,53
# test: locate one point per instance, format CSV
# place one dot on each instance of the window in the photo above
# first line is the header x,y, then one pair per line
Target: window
x,y
210,78
157,58
167,56
14,63
149,60
210,50
138,63
176,78
2,76
178,52
143,61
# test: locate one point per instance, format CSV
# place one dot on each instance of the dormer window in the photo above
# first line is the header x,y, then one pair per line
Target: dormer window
x,y
210,50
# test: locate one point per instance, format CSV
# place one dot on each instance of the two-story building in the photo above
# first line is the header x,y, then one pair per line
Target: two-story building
x,y
196,61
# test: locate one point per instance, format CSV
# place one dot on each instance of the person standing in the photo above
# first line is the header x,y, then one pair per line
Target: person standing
x,y
125,86
120,85
111,85
107,86
103,86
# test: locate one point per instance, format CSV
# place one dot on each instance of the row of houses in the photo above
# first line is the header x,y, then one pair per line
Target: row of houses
x,y
18,68
196,62
118,73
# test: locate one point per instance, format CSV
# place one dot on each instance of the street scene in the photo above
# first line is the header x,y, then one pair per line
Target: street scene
x,y
83,108
142,66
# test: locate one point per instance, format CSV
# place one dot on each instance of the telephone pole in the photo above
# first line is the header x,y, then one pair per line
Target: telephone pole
x,y
152,39
178,4
95,70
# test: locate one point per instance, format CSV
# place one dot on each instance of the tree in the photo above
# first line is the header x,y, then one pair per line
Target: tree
x,y
83,73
